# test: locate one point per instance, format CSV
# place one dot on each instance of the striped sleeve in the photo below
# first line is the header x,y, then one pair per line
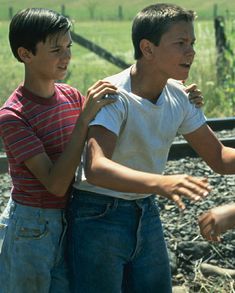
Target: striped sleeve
x,y
19,137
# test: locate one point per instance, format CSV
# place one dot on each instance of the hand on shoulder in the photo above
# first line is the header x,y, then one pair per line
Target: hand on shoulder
x,y
195,95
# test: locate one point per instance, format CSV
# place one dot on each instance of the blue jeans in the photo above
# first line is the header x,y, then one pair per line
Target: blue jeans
x,y
32,250
116,245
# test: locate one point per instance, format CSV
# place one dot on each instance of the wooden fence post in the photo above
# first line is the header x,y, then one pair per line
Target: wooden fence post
x,y
215,10
220,39
120,12
10,12
63,9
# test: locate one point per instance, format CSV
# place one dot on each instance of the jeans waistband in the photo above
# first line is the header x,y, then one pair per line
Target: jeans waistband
x,y
30,212
92,196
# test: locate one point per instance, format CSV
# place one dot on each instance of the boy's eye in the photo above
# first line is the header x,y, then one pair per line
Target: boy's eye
x,y
55,50
181,42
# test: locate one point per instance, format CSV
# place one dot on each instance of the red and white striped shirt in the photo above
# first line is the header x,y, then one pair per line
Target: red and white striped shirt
x,y
30,125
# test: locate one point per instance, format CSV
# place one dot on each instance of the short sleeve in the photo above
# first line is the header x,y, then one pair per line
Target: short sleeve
x,y
18,137
193,119
112,116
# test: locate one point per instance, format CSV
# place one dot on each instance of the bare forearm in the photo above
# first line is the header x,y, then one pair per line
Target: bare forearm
x,y
108,174
63,170
228,159
220,158
102,171
229,211
224,161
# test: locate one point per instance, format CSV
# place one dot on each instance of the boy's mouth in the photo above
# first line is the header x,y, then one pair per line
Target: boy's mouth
x,y
186,65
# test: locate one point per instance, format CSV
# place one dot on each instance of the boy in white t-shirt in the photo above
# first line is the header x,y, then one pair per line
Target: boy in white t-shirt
x,y
116,242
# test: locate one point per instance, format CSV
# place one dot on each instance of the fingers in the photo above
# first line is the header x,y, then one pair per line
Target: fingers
x,y
107,100
208,228
190,88
195,95
197,101
194,188
202,183
175,187
95,98
178,201
99,84
100,89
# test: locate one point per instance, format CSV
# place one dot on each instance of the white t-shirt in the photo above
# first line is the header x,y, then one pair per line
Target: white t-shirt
x,y
145,131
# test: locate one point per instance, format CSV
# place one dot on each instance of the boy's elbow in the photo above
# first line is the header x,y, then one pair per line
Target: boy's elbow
x,y
219,169
92,177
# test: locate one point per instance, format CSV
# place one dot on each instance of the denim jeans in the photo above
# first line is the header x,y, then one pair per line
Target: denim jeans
x,y
116,245
32,250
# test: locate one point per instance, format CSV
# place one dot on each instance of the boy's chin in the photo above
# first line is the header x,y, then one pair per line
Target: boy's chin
x,y
181,77
61,77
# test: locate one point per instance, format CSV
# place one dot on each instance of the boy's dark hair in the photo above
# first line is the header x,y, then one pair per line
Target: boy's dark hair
x,y
33,25
155,20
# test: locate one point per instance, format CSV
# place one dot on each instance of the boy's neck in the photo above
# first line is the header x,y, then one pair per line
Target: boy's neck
x,y
145,83
39,88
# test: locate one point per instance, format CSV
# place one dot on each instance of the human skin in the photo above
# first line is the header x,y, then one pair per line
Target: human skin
x,y
216,221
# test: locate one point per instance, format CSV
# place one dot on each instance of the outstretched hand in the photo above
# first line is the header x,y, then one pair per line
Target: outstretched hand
x,y
217,221
195,95
175,187
95,100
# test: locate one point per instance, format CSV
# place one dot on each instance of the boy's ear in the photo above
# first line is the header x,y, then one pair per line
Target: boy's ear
x,y
24,54
146,48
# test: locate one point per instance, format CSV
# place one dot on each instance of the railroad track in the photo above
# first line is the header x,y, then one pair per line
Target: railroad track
x,y
218,124
179,149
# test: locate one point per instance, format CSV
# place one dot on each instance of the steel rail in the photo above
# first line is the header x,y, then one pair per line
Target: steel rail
x,y
178,150
218,124
181,149
3,164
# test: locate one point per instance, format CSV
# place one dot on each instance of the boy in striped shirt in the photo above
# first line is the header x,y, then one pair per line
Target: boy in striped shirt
x,y
43,125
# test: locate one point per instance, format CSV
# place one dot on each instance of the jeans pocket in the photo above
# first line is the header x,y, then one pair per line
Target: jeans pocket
x,y
27,229
3,231
90,211
154,207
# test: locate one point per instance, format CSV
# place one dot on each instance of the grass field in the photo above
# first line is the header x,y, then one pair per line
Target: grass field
x,y
108,9
86,67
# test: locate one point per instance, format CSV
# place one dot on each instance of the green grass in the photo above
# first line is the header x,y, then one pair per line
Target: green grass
x,y
108,9
86,67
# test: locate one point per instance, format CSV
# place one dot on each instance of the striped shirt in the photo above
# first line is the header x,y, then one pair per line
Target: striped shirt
x,y
30,125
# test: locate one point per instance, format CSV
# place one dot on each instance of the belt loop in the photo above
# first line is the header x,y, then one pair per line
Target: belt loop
x,y
115,203
41,216
11,207
152,200
75,192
